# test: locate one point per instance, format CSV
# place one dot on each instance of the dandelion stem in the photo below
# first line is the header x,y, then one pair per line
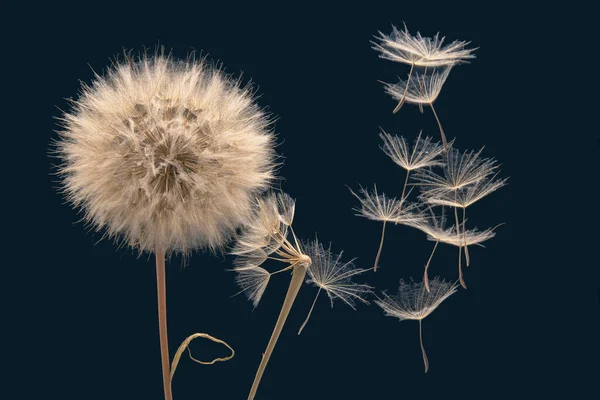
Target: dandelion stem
x,y
423,348
399,106
295,284
405,183
380,247
464,231
425,276
444,141
310,312
161,289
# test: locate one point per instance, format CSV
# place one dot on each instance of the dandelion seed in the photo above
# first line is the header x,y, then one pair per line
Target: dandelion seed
x,y
460,169
378,207
413,301
435,229
329,273
418,51
424,153
253,281
165,156
424,89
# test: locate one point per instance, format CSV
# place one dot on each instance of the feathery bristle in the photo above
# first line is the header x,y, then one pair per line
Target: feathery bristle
x,y
413,301
402,47
423,154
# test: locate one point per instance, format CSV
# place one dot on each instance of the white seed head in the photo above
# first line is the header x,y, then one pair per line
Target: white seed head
x,y
460,169
423,154
378,207
422,88
401,46
253,281
464,196
165,154
330,273
414,301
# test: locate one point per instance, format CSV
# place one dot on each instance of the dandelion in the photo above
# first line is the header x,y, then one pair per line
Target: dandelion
x,y
435,229
330,274
423,89
167,157
378,207
419,51
266,237
413,301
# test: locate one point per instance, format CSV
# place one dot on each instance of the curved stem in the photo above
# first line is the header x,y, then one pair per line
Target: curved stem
x,y
161,290
444,141
310,312
425,276
295,284
399,106
380,247
423,348
464,231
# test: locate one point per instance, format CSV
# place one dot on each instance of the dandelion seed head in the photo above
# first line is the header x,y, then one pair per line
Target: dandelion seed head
x,y
165,154
253,281
328,272
423,154
422,88
413,301
464,196
379,207
400,46
460,169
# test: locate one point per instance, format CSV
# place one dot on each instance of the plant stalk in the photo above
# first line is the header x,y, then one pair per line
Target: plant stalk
x,y
295,284
161,290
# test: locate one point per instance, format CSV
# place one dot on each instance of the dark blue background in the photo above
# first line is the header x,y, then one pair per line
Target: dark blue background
x,y
528,323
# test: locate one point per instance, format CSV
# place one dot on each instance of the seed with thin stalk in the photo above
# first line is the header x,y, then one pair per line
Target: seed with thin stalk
x,y
423,89
418,51
166,156
329,273
378,207
436,231
414,301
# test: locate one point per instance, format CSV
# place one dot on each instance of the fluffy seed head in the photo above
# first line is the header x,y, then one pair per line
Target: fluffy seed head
x,y
165,154
330,273
460,169
422,88
464,196
413,301
401,46
378,207
423,154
